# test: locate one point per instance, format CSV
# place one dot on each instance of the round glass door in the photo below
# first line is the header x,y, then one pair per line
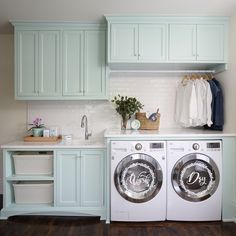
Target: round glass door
x,y
138,177
195,177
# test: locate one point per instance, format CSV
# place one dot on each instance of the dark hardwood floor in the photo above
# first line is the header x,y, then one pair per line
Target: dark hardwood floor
x,y
92,226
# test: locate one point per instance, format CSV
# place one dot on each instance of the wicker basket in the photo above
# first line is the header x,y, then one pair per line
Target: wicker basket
x,y
146,123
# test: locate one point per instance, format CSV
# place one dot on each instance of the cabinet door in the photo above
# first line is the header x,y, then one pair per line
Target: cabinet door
x,y
92,180
152,46
68,178
210,42
182,42
73,42
124,43
26,61
49,74
94,64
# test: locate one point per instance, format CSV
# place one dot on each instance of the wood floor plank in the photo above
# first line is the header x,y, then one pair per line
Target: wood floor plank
x,y
92,226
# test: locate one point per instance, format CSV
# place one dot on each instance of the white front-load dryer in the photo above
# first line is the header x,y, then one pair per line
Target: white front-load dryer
x,y
138,180
194,177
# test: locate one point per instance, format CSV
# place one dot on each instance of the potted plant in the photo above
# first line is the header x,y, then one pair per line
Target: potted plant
x,y
38,127
126,107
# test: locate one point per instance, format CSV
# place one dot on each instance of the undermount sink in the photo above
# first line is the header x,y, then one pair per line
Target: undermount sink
x,y
83,142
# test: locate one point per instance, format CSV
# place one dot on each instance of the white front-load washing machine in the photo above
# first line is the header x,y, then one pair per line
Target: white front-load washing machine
x,y
138,180
194,177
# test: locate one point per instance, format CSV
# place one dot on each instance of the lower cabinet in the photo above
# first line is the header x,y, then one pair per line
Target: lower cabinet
x,y
64,182
80,178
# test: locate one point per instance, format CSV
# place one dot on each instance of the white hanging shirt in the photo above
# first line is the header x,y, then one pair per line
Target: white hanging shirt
x,y
201,102
189,105
193,109
179,101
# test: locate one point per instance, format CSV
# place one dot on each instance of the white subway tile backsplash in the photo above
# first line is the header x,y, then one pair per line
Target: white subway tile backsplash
x,y
153,92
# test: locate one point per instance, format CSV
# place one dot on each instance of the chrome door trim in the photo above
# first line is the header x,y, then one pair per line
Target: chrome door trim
x,y
138,177
195,177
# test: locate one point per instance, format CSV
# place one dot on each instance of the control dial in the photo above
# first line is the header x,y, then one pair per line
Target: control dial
x,y
196,146
138,146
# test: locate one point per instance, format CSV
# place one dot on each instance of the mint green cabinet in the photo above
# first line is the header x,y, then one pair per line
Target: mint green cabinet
x,y
72,55
137,42
167,43
196,42
80,178
60,61
124,42
182,42
210,43
152,42
37,58
84,69
95,82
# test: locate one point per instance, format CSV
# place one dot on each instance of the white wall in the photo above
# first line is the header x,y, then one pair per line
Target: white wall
x,y
153,92
228,80
12,113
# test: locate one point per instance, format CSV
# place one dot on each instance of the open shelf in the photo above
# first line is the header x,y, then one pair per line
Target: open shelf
x,y
30,178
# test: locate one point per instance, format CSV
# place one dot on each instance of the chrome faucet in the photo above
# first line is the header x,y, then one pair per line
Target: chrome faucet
x,y
84,124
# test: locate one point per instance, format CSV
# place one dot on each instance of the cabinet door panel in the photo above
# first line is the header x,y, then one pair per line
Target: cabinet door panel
x,y
49,75
182,42
73,63
26,63
92,180
152,46
68,178
94,64
124,42
210,42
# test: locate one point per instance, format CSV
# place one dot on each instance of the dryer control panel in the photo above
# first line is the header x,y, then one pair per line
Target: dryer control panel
x,y
198,146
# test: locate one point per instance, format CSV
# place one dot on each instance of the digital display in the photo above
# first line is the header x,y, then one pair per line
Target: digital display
x,y
156,145
213,145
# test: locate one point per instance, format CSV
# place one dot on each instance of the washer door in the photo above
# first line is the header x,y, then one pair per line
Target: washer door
x,y
138,177
195,177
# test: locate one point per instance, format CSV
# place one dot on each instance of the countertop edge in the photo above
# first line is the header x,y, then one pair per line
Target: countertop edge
x,y
166,133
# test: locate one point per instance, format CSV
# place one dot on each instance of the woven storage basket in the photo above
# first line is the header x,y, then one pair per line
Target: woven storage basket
x,y
146,123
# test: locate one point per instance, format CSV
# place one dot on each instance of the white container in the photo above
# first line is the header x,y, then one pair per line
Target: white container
x,y
33,192
33,163
46,133
54,131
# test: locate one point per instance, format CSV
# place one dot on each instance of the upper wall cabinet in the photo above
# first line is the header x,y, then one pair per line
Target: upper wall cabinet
x,y
84,69
37,64
60,61
201,43
166,42
137,42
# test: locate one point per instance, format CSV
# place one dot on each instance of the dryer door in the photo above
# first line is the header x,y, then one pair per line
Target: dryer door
x,y
195,177
138,177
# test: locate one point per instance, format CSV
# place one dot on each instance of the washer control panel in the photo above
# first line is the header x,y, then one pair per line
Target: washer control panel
x,y
149,146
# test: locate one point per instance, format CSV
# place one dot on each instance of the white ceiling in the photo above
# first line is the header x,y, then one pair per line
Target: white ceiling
x,y
93,10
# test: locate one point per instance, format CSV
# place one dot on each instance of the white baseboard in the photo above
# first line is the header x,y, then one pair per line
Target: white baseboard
x,y
234,204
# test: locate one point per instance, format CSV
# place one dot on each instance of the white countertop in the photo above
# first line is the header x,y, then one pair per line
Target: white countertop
x,y
77,143
166,133
117,133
